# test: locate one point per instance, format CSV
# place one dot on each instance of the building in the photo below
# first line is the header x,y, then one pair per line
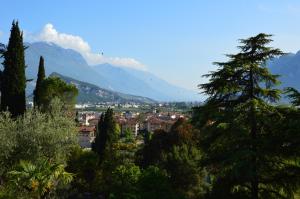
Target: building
x,y
131,124
93,122
154,123
86,136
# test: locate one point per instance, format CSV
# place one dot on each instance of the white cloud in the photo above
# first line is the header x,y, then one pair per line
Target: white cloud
x,y
50,34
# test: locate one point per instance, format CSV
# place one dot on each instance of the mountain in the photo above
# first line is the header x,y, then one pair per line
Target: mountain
x,y
123,81
92,93
163,86
64,61
70,63
288,67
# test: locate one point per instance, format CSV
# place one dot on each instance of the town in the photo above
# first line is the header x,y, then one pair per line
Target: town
x,y
137,122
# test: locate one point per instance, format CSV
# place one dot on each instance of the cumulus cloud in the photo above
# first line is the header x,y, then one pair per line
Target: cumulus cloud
x,y
50,34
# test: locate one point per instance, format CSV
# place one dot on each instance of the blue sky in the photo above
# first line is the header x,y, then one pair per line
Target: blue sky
x,y
175,39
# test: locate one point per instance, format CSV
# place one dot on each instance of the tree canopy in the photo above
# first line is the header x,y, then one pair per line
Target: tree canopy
x,y
236,122
53,87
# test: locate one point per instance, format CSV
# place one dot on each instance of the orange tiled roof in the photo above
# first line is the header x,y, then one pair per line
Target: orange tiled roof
x,y
86,129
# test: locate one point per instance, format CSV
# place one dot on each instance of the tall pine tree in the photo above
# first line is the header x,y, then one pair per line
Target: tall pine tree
x,y
40,78
13,77
238,137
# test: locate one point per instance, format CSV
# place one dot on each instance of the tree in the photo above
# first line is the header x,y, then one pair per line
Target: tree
x,y
154,183
124,182
34,138
107,134
177,152
54,87
128,135
236,134
37,135
37,180
38,87
293,95
13,76
84,164
182,164
98,145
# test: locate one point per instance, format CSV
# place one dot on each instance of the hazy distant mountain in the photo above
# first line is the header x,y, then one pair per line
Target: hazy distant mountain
x,y
288,67
123,81
70,63
163,86
60,60
92,93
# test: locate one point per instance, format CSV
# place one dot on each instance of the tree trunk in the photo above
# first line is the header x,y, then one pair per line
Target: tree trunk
x,y
254,180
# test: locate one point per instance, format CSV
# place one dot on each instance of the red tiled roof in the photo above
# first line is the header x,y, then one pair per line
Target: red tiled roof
x,y
86,129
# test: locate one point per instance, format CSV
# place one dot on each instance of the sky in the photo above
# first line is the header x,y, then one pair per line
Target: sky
x,y
176,40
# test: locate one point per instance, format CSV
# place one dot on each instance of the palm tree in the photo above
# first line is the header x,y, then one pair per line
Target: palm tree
x,y
38,180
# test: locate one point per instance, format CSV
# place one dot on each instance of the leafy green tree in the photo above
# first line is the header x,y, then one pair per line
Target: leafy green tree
x,y
182,164
151,153
54,87
176,152
128,135
38,88
124,182
182,132
36,135
236,135
84,164
13,75
37,180
154,183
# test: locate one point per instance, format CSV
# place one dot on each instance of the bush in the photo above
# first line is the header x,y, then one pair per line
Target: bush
x,y
35,136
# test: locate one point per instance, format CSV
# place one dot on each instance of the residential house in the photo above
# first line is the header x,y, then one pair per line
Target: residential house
x,y
86,136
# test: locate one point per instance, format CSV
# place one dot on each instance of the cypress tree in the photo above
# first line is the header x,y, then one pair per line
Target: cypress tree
x,y
98,145
13,87
238,135
106,134
41,76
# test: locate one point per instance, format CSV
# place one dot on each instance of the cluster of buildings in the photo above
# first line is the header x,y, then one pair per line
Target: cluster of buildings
x,y
134,122
108,104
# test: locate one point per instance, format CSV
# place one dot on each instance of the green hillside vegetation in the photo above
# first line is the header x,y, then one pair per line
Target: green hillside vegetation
x,y
94,94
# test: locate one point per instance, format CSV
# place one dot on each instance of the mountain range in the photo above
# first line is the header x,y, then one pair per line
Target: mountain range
x,y
90,93
121,81
288,67
70,63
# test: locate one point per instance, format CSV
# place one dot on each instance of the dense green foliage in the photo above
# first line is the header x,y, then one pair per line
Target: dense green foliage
x,y
241,131
177,153
53,87
35,140
37,181
13,80
37,98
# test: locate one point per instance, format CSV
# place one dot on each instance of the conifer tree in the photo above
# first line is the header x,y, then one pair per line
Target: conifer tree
x,y
98,145
238,137
106,135
41,76
13,77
